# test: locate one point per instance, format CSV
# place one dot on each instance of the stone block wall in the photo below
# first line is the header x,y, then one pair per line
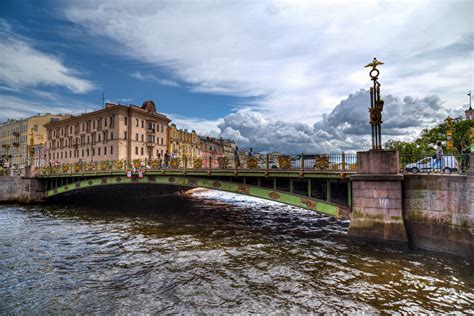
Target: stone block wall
x,y
17,189
377,209
439,212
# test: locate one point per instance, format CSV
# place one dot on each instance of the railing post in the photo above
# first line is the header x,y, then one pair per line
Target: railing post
x,y
268,162
302,161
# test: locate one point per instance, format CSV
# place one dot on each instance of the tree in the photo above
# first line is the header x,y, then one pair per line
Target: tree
x,y
461,131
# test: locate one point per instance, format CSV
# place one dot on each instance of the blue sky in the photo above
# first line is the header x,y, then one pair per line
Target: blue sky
x,y
276,75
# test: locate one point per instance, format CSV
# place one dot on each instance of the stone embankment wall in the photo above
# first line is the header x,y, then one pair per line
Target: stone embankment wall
x,y
17,189
439,212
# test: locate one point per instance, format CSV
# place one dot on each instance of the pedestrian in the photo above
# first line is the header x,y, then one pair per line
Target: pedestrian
x,y
236,157
167,159
439,156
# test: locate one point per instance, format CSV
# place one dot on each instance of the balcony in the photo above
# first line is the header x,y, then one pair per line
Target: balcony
x,y
16,144
16,134
150,131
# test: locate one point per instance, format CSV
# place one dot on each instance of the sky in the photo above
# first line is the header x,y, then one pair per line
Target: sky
x,y
279,75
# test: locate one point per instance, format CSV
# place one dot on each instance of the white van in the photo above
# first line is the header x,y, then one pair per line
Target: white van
x,y
430,164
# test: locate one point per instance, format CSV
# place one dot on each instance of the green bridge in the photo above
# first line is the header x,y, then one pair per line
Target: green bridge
x,y
325,192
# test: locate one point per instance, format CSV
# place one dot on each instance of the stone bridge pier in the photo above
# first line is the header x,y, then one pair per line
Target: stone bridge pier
x,y
429,211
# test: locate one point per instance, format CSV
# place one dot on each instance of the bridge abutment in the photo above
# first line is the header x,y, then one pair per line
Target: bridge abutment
x,y
377,205
24,190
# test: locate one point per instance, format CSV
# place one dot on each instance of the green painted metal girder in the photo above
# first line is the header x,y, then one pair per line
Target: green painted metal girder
x,y
192,182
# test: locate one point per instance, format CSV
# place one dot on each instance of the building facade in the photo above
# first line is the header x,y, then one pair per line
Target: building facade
x,y
183,144
116,132
18,138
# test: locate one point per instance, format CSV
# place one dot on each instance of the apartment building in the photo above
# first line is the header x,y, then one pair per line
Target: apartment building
x,y
183,143
115,132
18,138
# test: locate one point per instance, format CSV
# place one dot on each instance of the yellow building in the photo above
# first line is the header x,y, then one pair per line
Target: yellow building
x,y
183,143
18,136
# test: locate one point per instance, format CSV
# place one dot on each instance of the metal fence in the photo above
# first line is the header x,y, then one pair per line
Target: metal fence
x,y
315,163
429,163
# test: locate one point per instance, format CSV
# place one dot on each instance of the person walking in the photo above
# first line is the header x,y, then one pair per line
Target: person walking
x,y
167,159
236,157
439,156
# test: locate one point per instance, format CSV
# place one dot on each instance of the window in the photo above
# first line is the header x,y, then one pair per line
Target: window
x,y
83,127
105,151
105,122
35,127
99,137
126,120
111,149
65,154
98,151
136,136
142,151
125,135
162,141
93,124
88,139
93,151
162,128
143,138
143,124
137,122
87,152
83,153
111,135
136,150
61,155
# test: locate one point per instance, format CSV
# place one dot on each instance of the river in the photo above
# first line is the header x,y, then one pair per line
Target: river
x,y
212,253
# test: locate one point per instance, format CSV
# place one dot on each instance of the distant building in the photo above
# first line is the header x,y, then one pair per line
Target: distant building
x,y
18,138
116,132
212,149
469,113
184,144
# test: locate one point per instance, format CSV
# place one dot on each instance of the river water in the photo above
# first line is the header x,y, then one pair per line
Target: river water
x,y
212,253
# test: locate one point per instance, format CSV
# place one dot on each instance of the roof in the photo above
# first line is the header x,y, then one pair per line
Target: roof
x,y
109,107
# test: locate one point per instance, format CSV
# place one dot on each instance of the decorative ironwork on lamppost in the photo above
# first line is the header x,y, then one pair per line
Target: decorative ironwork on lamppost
x,y
376,105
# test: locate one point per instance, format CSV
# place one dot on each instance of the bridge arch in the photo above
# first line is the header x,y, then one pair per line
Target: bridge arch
x,y
288,198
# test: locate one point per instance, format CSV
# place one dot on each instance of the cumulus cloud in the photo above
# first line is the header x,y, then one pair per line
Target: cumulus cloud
x,y
22,65
345,128
296,58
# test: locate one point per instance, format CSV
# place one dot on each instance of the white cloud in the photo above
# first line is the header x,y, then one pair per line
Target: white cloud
x,y
151,77
296,57
201,126
22,65
345,128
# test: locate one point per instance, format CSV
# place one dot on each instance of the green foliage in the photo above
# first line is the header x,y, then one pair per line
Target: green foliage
x,y
461,132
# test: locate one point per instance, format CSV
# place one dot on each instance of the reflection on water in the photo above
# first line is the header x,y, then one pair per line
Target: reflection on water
x,y
212,253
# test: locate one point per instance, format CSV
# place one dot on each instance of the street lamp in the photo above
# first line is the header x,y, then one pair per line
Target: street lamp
x,y
376,106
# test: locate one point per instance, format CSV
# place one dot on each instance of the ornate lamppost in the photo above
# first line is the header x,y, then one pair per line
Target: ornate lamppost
x,y
376,106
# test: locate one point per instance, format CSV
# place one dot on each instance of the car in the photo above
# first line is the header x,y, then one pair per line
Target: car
x,y
431,164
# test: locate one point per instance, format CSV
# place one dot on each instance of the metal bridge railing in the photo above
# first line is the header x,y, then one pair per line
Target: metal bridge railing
x,y
308,163
429,163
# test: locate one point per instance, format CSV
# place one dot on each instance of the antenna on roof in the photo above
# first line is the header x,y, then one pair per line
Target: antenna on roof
x,y
103,98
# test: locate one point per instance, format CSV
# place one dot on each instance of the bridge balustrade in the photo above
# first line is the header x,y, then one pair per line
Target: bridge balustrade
x,y
322,163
